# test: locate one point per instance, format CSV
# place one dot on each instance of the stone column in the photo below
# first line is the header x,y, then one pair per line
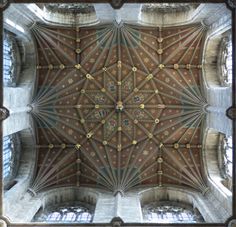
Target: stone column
x,y
127,207
16,100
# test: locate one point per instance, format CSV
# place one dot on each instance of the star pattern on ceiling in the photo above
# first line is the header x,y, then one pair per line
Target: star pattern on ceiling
x,y
119,106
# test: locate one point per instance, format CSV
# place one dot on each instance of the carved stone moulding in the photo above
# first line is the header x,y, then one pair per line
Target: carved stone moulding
x,y
4,113
231,113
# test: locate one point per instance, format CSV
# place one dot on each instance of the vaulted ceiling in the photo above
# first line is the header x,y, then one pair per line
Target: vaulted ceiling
x,y
119,107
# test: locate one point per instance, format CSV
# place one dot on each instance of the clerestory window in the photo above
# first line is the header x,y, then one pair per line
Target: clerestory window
x,y
75,214
7,156
167,212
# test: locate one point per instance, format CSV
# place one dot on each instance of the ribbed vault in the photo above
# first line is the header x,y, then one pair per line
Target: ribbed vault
x,y
119,106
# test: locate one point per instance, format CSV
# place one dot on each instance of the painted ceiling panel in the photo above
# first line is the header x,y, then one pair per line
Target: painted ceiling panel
x,y
119,106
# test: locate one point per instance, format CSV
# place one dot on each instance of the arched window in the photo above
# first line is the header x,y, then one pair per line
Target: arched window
x,y
54,216
7,59
66,214
7,156
228,156
171,212
226,61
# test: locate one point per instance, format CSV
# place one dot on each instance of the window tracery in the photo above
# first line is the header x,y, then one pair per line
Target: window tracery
x,y
7,156
7,59
228,153
77,214
168,7
11,59
170,212
226,61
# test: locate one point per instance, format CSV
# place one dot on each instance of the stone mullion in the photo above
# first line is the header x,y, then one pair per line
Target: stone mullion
x,y
190,120
131,36
107,45
194,123
195,100
135,52
189,36
105,34
131,164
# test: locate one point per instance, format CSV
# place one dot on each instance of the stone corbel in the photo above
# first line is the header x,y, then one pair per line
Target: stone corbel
x,y
117,222
231,113
116,4
4,113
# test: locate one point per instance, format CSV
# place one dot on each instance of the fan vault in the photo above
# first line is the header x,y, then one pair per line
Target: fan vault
x,y
119,106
